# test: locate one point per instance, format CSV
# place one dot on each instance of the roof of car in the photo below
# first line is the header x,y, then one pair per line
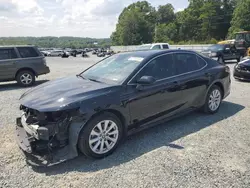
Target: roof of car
x,y
149,53
154,44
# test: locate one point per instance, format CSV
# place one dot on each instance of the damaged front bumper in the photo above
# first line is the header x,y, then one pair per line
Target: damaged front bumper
x,y
39,147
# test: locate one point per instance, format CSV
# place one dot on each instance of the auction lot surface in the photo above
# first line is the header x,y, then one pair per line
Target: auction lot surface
x,y
196,150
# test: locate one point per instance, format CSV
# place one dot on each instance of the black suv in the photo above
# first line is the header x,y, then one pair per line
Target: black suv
x,y
21,63
223,52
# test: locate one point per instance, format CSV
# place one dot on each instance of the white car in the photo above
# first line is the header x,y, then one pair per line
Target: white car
x,y
56,53
154,46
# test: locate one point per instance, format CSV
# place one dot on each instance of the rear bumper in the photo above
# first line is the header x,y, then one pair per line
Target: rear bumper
x,y
44,70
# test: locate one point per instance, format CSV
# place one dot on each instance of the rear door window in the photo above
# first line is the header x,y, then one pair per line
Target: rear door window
x,y
7,54
26,52
165,46
160,68
187,62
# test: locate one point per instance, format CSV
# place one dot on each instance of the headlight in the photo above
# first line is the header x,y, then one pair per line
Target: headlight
x,y
213,54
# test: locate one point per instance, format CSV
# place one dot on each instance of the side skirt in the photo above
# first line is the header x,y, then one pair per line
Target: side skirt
x,y
136,128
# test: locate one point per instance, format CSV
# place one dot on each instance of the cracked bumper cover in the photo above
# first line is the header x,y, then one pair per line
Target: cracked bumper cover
x,y
65,153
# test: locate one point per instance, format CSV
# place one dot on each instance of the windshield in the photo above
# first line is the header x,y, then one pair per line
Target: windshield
x,y
216,47
114,69
239,36
145,47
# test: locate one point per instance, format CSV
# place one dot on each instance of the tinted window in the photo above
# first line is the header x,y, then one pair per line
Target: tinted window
x,y
186,62
202,63
160,68
156,47
7,54
248,37
27,52
165,46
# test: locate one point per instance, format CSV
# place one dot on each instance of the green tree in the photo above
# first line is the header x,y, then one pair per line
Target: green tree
x,y
166,33
165,14
241,17
135,25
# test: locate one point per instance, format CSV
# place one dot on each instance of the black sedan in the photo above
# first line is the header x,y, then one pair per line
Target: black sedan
x,y
93,111
242,70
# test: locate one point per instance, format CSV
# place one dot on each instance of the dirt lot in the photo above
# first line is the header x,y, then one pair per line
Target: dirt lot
x,y
193,151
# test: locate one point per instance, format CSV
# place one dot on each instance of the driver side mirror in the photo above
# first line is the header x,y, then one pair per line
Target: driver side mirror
x,y
146,80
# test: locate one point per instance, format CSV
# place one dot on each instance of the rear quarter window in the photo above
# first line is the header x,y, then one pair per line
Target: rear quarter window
x,y
165,46
26,52
202,63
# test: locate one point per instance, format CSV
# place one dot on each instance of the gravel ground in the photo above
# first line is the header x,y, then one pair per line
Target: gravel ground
x,y
196,150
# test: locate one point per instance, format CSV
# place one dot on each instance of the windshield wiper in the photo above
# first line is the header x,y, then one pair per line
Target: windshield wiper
x,y
94,80
79,75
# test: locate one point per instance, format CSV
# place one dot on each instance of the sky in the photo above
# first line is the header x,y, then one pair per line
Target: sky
x,y
79,18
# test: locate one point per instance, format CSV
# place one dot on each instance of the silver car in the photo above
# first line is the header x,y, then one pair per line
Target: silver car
x,y
21,63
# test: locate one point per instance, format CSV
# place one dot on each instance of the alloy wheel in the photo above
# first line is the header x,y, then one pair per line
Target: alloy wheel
x,y
26,78
103,137
214,100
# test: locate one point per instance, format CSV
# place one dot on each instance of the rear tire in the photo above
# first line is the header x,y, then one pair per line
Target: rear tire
x,y
213,100
25,78
96,140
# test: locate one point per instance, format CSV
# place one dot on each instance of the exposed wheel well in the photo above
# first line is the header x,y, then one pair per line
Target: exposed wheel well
x,y
23,69
221,87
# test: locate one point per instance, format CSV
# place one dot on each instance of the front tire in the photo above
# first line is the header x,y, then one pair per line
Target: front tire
x,y
101,136
25,78
213,100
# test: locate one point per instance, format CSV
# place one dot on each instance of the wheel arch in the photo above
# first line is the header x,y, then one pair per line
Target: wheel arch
x,y
220,85
217,83
27,69
117,113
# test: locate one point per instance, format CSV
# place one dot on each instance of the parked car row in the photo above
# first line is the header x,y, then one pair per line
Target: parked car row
x,y
102,52
64,52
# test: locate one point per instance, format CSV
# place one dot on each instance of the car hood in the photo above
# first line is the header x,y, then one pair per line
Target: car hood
x,y
62,94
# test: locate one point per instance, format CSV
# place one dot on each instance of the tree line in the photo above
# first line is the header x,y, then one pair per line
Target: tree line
x,y
203,21
57,42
